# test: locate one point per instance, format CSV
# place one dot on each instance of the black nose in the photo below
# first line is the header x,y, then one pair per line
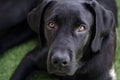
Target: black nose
x,y
60,60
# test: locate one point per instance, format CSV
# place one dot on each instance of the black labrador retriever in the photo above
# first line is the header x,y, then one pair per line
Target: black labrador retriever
x,y
77,40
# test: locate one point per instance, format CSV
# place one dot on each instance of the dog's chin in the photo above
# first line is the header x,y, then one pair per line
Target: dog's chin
x,y
68,71
63,73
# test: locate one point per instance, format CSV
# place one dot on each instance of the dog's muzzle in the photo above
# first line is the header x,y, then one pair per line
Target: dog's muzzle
x,y
60,62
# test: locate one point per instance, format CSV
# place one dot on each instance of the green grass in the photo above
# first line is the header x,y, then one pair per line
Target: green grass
x,y
11,58
117,63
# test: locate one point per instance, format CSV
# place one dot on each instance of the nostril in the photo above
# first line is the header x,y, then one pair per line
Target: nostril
x,y
55,62
58,61
65,63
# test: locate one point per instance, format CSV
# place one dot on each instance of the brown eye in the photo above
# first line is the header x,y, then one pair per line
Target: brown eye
x,y
81,28
52,26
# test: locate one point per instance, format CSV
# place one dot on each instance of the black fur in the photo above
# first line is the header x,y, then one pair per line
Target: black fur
x,y
13,24
65,50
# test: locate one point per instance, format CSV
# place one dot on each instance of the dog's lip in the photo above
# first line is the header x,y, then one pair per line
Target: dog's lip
x,y
58,72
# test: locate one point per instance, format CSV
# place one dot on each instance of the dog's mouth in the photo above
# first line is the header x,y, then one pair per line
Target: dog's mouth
x,y
62,71
68,70
59,72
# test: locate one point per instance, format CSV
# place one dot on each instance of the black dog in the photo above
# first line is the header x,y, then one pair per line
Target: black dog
x,y
77,40
13,25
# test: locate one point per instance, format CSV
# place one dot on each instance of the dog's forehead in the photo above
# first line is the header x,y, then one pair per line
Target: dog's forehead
x,y
65,6
69,11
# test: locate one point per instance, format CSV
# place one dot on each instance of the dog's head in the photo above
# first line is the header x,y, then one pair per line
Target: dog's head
x,y
69,28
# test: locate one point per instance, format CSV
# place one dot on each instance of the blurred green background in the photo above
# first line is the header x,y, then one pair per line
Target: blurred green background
x,y
11,58
117,63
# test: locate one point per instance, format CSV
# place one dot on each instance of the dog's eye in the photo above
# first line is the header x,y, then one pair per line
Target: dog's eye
x,y
81,28
52,26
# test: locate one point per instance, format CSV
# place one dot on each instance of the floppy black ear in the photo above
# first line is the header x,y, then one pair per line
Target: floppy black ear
x,y
36,21
104,23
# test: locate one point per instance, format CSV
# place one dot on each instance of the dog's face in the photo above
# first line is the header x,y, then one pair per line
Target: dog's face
x,y
67,30
69,27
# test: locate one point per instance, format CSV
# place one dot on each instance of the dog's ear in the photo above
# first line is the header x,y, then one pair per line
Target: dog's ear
x,y
104,23
36,19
